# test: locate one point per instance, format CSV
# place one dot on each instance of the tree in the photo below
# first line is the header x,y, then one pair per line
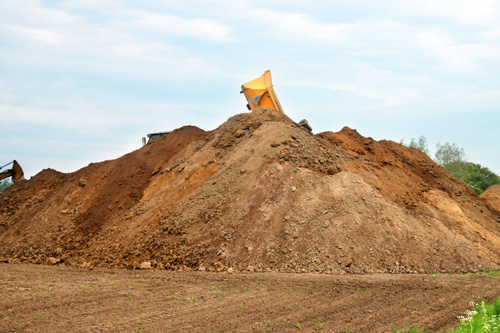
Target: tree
x,y
452,159
421,144
448,153
481,178
4,183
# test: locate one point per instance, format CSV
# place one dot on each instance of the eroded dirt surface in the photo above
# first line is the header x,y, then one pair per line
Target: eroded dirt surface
x,y
39,298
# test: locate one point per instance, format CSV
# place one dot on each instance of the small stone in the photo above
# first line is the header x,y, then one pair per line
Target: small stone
x,y
348,263
294,189
145,265
85,265
52,261
82,182
332,170
219,266
230,270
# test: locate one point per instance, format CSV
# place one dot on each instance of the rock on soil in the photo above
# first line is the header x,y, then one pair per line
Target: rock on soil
x,y
258,193
145,265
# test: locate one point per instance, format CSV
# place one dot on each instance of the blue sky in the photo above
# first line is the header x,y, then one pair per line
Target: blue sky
x,y
83,81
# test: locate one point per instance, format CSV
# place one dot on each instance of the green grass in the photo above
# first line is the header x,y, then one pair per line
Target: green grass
x,y
411,329
483,318
493,273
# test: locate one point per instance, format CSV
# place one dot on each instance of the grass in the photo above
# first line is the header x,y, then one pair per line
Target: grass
x,y
493,273
411,329
482,318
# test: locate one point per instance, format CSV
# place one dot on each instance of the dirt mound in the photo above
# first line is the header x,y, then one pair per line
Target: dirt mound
x,y
257,193
492,196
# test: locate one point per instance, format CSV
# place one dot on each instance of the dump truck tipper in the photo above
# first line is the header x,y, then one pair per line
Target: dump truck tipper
x,y
260,92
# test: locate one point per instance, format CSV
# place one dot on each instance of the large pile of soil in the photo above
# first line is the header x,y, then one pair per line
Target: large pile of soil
x,y
257,193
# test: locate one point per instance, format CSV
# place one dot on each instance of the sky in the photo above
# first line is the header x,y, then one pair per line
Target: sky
x,y
82,81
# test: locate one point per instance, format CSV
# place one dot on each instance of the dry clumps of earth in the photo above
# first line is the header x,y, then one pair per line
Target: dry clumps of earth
x,y
259,193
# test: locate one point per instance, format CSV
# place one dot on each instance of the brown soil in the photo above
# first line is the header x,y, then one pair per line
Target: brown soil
x,y
492,196
259,193
39,298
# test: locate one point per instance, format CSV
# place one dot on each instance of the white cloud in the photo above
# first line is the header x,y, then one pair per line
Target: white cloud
x,y
492,34
78,118
34,13
386,96
477,12
170,24
299,26
136,51
452,52
41,35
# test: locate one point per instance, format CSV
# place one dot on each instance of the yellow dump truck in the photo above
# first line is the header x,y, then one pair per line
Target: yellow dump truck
x,y
260,92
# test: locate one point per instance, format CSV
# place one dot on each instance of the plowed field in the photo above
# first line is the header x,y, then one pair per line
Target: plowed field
x,y
38,298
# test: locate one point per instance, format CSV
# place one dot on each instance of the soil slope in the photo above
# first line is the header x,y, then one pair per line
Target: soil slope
x,y
492,196
257,193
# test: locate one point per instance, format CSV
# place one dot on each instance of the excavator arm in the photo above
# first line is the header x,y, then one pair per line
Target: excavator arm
x,y
16,172
5,174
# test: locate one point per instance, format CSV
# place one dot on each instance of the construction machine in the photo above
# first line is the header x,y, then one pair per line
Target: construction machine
x,y
152,136
260,92
16,172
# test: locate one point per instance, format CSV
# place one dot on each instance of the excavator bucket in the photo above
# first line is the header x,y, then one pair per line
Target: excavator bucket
x,y
260,92
18,173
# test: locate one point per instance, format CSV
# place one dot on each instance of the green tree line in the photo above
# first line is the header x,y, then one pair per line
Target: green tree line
x,y
452,158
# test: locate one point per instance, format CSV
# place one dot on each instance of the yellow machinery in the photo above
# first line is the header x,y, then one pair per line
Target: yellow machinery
x,y
16,172
260,92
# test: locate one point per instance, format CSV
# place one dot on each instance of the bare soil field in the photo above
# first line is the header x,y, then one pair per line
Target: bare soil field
x,y
40,298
